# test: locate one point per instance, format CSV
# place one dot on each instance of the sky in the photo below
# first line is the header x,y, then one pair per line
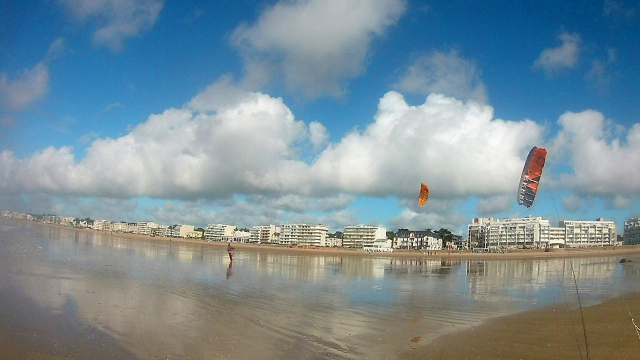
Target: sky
x,y
333,112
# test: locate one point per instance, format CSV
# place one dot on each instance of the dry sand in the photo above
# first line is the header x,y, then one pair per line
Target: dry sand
x,y
550,333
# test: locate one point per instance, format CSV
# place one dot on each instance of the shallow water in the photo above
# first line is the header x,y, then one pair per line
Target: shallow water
x,y
93,295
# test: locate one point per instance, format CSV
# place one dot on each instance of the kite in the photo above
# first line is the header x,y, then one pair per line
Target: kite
x,y
531,174
424,194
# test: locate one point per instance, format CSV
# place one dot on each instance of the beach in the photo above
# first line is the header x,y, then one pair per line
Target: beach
x,y
552,333
79,293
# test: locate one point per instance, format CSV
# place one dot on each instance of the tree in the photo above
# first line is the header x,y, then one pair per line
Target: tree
x,y
391,235
445,234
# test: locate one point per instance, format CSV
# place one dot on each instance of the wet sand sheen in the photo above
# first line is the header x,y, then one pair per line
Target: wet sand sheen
x,y
554,332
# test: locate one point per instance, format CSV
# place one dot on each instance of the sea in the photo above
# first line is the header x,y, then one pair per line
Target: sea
x,y
67,293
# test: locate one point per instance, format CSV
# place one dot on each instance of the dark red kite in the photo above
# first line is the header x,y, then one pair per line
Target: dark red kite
x,y
531,174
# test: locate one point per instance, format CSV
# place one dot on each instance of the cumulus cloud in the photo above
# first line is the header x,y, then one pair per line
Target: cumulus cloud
x,y
565,56
457,148
602,164
117,20
411,219
250,145
445,73
314,45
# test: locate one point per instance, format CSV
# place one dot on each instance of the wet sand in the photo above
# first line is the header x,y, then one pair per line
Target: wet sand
x,y
550,333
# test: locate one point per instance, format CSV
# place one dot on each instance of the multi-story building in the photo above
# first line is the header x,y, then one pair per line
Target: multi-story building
x,y
145,227
421,239
556,237
589,233
180,230
215,232
632,231
265,234
357,236
304,234
102,225
510,233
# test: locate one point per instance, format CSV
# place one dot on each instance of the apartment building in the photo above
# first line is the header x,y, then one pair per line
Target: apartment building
x,y
356,236
180,231
304,234
265,234
510,233
145,227
632,231
215,232
589,233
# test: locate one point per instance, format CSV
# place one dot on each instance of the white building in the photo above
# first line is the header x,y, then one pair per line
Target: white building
x,y
146,227
510,233
357,236
379,245
304,234
238,237
421,239
215,232
102,225
632,231
265,234
589,233
180,231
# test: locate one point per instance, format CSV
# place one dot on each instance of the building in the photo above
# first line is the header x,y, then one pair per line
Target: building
x,y
265,234
145,227
357,236
215,232
589,233
421,239
632,231
180,231
510,233
304,234
238,237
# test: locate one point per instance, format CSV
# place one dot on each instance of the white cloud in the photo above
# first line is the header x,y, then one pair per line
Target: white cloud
x,y
456,148
602,165
490,206
554,60
318,135
452,220
445,73
117,19
29,86
599,77
251,146
571,203
314,45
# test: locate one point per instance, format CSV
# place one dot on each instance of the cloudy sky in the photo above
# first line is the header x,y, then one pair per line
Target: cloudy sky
x,y
318,111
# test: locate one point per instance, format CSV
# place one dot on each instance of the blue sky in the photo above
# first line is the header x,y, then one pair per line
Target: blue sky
x,y
333,112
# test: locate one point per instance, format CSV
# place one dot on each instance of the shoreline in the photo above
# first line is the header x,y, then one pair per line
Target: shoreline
x,y
397,253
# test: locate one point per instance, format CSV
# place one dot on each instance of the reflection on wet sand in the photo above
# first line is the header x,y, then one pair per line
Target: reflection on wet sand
x,y
157,299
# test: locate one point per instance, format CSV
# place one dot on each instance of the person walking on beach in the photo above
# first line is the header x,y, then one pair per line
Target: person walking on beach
x,y
230,251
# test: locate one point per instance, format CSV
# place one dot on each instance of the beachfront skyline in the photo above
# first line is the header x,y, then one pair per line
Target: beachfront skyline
x,y
313,111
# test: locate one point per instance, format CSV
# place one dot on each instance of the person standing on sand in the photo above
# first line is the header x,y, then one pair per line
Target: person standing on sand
x,y
230,251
